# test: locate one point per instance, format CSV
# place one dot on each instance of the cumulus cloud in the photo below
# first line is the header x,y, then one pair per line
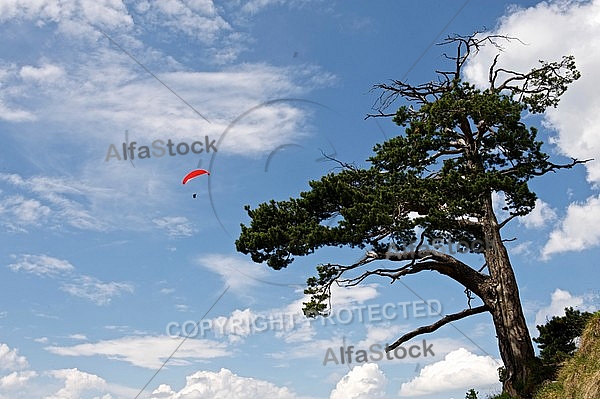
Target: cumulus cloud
x,y
548,31
458,370
362,382
222,385
76,382
578,230
561,299
10,359
16,380
540,216
42,74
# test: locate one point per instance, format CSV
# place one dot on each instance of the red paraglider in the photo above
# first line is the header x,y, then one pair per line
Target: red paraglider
x,y
195,173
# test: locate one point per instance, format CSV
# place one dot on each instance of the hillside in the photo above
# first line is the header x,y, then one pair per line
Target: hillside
x,y
579,377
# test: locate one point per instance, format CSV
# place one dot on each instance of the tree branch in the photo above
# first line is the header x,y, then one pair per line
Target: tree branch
x,y
432,327
420,260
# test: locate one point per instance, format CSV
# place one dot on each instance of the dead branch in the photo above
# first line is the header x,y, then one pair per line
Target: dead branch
x,y
432,327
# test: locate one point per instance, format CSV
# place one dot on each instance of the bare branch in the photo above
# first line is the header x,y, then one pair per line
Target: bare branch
x,y
554,167
432,327
505,221
428,92
418,261
343,165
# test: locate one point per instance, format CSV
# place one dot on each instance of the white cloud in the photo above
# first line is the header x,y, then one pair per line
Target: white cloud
x,y
196,19
80,337
41,265
382,334
76,382
89,287
182,308
10,359
343,299
499,203
237,272
147,351
16,380
347,296
523,248
10,114
176,226
82,286
222,385
362,382
550,30
61,202
72,17
19,211
579,230
560,300
539,216
43,74
256,6
458,370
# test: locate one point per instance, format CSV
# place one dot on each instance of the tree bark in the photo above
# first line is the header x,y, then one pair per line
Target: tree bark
x,y
514,341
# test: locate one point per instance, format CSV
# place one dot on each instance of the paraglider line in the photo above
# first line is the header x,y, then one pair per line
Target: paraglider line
x,y
232,124
277,149
212,160
327,157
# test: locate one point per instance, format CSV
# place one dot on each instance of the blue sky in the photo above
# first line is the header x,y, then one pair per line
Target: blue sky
x,y
102,261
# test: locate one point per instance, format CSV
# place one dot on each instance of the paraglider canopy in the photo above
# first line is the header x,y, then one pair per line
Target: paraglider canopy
x,y
195,173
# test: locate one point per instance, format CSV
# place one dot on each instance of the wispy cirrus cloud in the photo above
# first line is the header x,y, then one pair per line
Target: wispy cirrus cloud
x,y
92,289
82,286
176,226
147,351
41,265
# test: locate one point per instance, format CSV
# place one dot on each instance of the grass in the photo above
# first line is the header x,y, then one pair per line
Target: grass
x,y
579,377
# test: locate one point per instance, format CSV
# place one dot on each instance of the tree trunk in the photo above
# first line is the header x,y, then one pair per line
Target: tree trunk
x,y
516,348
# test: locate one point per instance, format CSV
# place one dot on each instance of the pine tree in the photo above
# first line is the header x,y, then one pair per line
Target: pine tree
x,y
431,184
